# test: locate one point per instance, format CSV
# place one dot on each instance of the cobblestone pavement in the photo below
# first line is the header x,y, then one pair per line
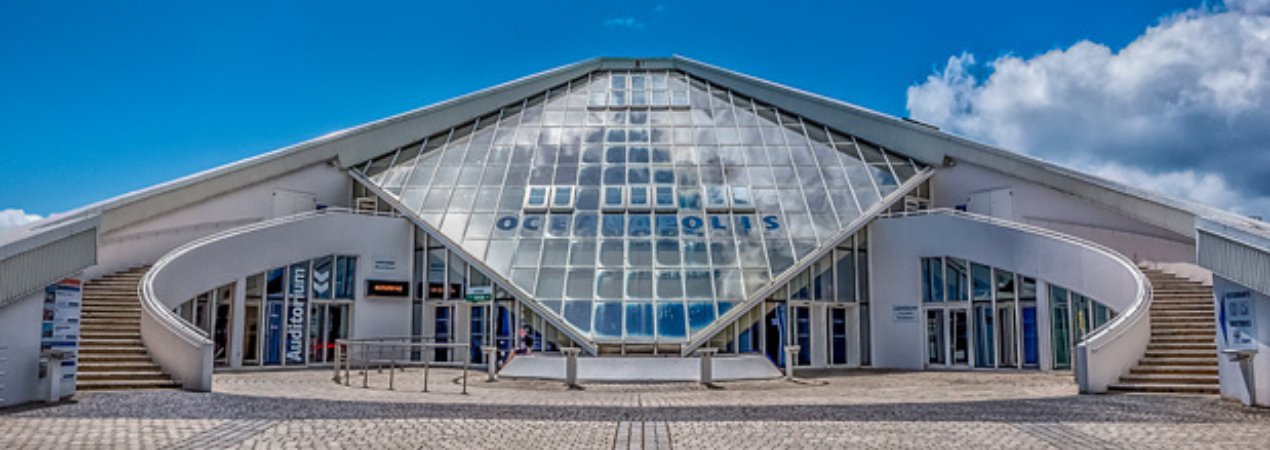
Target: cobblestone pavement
x,y
839,409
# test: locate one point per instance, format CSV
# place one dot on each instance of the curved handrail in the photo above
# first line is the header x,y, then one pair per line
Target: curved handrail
x,y
1103,335
197,341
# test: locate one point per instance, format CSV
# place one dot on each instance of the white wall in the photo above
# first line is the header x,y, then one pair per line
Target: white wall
x,y
1234,384
20,358
1042,206
144,242
232,258
900,243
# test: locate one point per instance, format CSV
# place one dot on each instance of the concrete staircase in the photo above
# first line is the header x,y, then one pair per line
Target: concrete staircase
x,y
1182,355
111,354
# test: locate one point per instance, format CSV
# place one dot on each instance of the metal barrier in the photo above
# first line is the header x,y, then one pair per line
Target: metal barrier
x,y
393,353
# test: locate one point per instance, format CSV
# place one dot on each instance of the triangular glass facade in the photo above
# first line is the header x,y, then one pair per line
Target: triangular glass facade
x,y
639,205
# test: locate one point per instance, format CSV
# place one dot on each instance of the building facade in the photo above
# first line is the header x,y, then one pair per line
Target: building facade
x,y
633,207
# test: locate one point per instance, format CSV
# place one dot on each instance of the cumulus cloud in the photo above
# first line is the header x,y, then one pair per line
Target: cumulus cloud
x,y
10,218
1184,109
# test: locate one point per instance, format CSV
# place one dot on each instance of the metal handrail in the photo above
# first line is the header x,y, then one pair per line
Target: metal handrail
x,y
344,359
1107,332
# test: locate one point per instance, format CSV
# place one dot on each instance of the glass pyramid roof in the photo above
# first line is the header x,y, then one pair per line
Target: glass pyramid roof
x,y
622,195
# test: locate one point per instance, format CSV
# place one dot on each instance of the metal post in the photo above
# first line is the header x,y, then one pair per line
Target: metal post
x,y
426,364
467,356
336,377
347,363
707,364
491,362
571,365
791,358
365,371
392,373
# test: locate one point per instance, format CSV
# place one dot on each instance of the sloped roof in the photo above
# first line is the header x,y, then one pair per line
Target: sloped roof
x,y
363,142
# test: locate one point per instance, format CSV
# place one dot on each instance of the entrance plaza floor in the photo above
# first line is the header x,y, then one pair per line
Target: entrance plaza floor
x,y
829,409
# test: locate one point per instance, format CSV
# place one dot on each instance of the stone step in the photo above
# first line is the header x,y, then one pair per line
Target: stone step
x,y
130,334
107,307
131,375
1183,339
100,385
1176,326
1165,388
1192,318
90,357
1156,308
1180,370
1171,361
1183,332
112,315
124,366
108,327
128,350
110,342
1171,379
1175,353
1211,347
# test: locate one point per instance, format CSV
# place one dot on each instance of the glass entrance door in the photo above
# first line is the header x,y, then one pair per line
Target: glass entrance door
x,y
443,331
774,333
985,349
936,350
328,322
802,334
959,328
837,330
1008,337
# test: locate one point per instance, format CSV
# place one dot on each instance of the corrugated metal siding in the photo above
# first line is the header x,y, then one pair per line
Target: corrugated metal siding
x,y
1243,264
31,270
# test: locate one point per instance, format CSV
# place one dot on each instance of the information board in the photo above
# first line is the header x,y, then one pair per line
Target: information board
x,y
1238,321
59,329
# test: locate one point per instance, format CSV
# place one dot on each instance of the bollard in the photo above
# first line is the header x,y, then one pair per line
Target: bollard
x,y
348,362
365,372
426,364
467,356
491,362
791,358
571,365
707,364
336,377
392,372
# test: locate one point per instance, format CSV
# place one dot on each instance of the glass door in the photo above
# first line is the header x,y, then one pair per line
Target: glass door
x,y
985,344
936,349
837,328
802,334
774,333
959,328
442,331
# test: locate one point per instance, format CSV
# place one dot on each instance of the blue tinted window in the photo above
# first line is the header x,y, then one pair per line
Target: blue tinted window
x,y
640,225
670,320
667,226
614,225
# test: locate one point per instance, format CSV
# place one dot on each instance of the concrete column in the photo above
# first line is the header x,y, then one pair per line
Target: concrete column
x,y
237,331
707,364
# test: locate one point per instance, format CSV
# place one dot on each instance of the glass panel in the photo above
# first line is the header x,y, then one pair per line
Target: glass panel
x,y
732,192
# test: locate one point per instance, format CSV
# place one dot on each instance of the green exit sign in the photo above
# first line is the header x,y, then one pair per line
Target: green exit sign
x,y
480,294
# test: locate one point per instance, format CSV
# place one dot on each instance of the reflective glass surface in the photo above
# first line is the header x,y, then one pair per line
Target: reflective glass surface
x,y
647,202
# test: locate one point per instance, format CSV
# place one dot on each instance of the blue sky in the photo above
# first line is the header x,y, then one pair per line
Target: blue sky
x,y
102,98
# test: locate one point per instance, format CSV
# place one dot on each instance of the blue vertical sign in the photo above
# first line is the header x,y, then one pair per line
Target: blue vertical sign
x,y
297,287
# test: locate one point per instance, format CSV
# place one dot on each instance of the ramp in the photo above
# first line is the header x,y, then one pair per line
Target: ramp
x,y
641,369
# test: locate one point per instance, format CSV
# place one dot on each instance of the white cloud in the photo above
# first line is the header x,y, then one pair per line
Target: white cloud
x,y
10,218
624,22
1184,109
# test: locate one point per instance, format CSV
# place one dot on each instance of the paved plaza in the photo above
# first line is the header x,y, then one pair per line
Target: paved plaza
x,y
835,409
